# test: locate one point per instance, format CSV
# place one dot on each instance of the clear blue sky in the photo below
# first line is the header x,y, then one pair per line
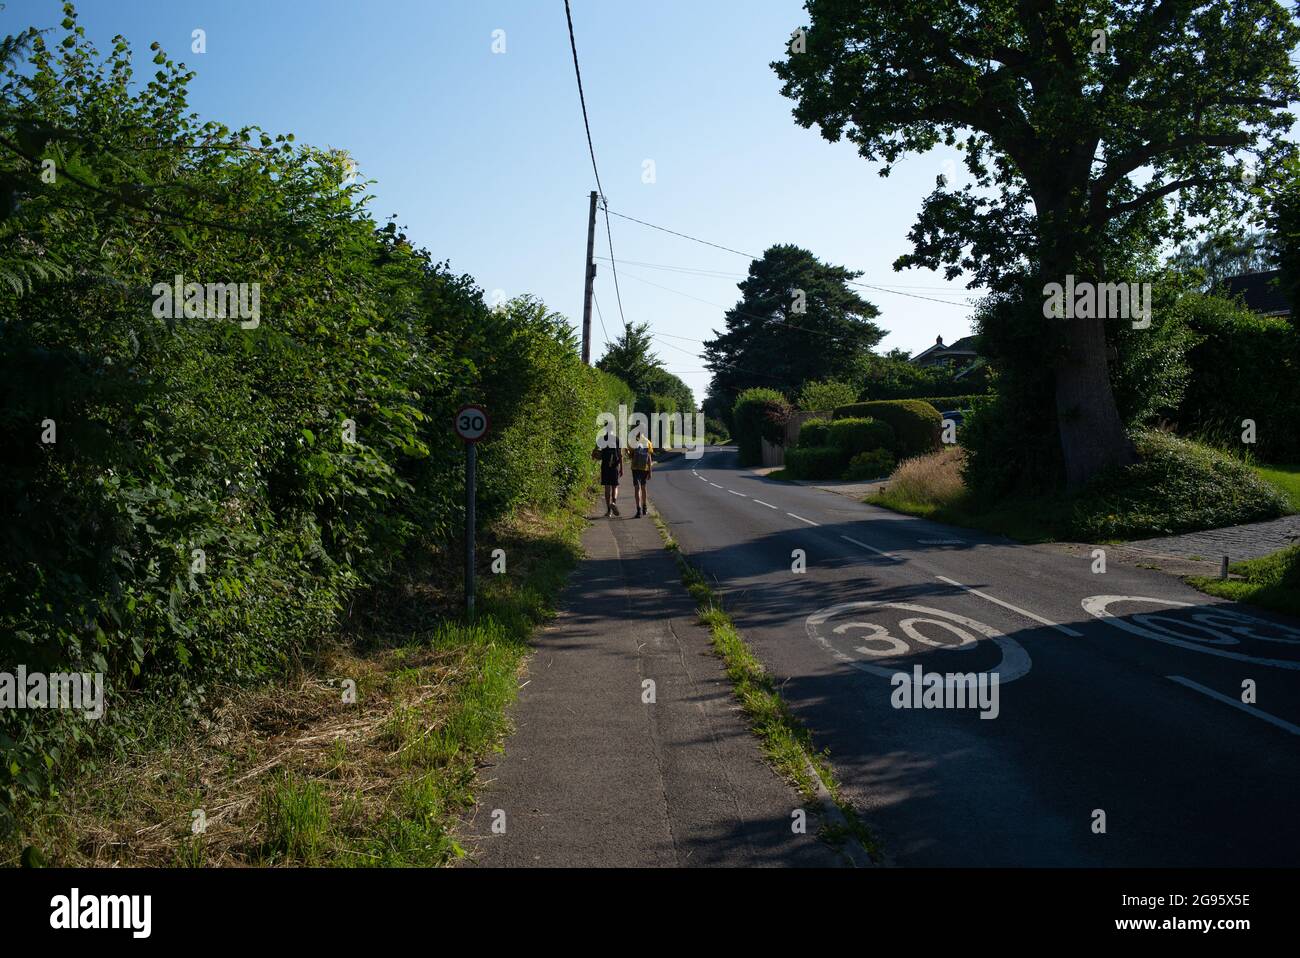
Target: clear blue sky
x,y
484,159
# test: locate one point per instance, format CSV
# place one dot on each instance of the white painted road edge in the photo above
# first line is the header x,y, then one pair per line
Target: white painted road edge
x,y
1229,700
1007,605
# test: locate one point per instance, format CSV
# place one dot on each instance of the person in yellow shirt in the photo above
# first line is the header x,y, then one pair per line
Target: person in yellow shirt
x,y
642,454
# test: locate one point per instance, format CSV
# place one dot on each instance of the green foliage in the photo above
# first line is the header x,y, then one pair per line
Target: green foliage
x,y
1177,486
825,395
778,339
1271,581
950,403
894,376
814,432
1243,366
814,462
1077,161
716,432
917,425
200,433
854,435
629,357
873,464
758,414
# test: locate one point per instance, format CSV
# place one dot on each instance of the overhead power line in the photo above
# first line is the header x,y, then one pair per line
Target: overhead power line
x,y
696,239
586,123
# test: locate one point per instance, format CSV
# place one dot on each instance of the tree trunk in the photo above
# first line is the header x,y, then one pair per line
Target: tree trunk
x,y
1092,434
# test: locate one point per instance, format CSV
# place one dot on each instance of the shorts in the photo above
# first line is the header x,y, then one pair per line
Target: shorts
x,y
609,475
639,476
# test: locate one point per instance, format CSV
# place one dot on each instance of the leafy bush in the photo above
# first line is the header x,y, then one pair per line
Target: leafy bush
x,y
215,493
716,432
852,436
1244,366
870,465
949,403
814,462
826,395
814,432
1177,486
758,414
917,425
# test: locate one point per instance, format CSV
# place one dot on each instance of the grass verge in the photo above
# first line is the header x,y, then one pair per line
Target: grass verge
x,y
1284,478
367,756
1176,486
786,742
1271,581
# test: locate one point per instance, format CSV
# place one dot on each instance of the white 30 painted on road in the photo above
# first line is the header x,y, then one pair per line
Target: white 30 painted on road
x,y
1015,660
1220,627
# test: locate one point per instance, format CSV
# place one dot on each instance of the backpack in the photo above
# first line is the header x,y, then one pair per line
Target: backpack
x,y
641,458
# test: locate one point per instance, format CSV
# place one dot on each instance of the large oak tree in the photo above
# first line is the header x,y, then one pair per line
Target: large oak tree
x,y
1087,128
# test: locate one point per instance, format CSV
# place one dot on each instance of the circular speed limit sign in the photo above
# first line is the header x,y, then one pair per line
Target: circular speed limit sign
x,y
471,423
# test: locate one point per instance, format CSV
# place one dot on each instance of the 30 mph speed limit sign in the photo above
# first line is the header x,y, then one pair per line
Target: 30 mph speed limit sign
x,y
471,423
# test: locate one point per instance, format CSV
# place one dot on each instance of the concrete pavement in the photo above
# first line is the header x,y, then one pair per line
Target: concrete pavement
x,y
595,776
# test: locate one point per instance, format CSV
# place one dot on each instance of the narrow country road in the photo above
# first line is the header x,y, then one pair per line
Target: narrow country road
x,y
1119,697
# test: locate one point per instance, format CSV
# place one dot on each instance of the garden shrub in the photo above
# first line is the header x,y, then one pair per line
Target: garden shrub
x,y
758,414
814,432
814,462
873,464
917,425
852,436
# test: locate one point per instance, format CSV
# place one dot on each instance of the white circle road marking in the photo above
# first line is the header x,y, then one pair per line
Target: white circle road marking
x,y
1015,660
1098,607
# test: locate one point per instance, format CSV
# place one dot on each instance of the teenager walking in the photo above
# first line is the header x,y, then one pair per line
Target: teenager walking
x,y
642,454
611,469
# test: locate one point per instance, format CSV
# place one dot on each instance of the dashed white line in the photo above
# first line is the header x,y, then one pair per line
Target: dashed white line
x,y
1013,608
735,493
714,485
887,555
762,503
1229,700
802,519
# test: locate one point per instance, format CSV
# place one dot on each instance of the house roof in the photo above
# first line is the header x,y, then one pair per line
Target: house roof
x,y
966,346
1258,291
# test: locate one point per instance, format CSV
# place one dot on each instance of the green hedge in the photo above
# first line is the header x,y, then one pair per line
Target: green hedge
x,y
874,464
758,413
815,432
1243,366
302,456
852,436
814,462
948,403
917,425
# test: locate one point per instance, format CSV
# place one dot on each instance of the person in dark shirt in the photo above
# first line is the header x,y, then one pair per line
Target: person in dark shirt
x,y
610,455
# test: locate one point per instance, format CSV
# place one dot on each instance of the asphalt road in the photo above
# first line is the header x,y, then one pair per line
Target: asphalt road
x,y
1119,694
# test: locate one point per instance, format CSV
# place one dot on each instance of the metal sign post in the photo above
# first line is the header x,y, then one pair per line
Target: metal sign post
x,y
471,424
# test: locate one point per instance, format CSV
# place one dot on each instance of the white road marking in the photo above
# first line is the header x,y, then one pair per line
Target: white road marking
x,y
1098,605
714,485
735,493
887,555
1015,660
801,519
1229,700
1007,605
762,503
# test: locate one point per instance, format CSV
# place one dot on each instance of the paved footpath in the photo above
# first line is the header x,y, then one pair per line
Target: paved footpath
x,y
1236,542
594,777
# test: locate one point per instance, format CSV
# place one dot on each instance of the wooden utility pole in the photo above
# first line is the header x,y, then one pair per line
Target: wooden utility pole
x,y
591,276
